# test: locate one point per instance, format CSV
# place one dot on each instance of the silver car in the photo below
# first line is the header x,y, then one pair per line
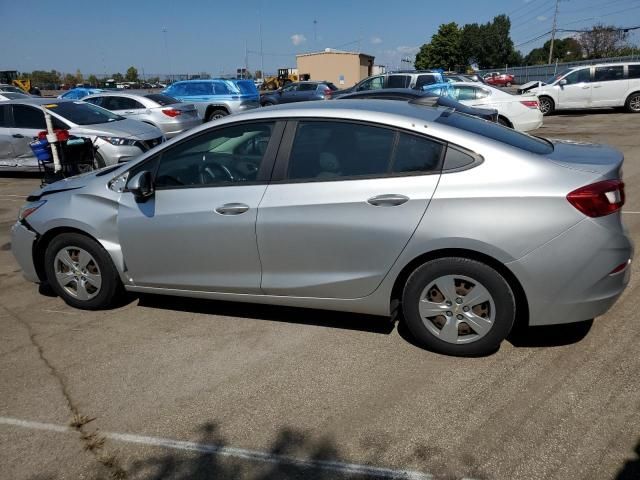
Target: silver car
x,y
168,114
116,138
377,207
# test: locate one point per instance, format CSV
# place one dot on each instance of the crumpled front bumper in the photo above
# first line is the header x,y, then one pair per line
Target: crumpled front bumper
x,y
22,241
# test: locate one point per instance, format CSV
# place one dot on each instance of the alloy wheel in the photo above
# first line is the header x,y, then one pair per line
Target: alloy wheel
x,y
457,309
77,272
634,103
545,105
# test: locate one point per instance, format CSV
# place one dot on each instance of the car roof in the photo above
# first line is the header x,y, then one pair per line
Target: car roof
x,y
346,108
612,64
381,91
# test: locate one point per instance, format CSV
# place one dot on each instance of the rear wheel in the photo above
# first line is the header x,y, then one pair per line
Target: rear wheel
x,y
98,161
508,84
633,103
458,306
268,104
80,271
546,105
216,114
503,121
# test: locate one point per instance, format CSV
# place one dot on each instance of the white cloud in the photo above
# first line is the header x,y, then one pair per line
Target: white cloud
x,y
406,50
376,40
298,38
541,18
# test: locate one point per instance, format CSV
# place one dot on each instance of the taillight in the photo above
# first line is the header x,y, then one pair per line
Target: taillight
x,y
598,199
530,103
171,112
327,93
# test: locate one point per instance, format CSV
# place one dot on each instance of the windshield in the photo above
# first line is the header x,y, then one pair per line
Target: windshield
x,y
161,99
558,76
497,132
82,113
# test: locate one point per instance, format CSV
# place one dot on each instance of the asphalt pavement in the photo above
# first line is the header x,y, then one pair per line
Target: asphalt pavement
x,y
189,389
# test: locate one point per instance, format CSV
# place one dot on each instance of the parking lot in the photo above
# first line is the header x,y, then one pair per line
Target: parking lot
x,y
187,389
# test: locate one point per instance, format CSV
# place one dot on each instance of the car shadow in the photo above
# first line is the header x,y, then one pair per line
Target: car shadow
x,y
586,112
631,469
322,318
550,335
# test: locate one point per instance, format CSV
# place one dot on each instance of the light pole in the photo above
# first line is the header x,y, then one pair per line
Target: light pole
x,y
166,50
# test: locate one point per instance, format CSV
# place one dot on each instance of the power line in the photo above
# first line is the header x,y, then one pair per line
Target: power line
x,y
597,5
553,31
533,39
545,5
528,4
600,16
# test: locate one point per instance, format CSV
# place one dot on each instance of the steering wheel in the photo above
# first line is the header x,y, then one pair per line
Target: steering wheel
x,y
215,173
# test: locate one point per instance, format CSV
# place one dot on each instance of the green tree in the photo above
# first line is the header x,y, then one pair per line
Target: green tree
x,y
131,75
564,50
49,80
117,77
79,77
93,80
70,80
443,51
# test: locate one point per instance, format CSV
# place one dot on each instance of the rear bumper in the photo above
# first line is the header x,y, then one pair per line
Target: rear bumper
x,y
172,129
569,278
22,241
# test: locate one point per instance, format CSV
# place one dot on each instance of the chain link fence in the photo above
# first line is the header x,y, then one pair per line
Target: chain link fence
x,y
528,73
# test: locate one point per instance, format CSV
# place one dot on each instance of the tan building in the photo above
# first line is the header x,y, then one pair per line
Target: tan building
x,y
344,69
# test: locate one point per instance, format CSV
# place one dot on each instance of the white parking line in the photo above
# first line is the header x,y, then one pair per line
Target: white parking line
x,y
10,195
628,211
253,455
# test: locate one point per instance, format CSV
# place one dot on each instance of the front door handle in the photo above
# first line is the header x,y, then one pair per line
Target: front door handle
x,y
586,87
232,209
17,135
388,200
597,86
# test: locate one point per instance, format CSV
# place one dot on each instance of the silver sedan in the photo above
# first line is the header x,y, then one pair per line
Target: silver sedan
x,y
168,114
462,226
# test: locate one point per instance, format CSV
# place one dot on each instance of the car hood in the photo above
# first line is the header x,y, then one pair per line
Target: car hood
x,y
126,128
587,157
76,182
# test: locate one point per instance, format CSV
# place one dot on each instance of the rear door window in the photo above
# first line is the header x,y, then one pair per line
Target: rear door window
x,y
327,150
307,87
161,99
609,73
425,80
4,116
634,71
398,81
414,154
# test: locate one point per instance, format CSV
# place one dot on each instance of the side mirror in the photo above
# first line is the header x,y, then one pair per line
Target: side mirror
x,y
562,82
141,185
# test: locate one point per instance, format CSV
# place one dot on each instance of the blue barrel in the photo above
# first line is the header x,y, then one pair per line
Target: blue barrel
x,y
42,150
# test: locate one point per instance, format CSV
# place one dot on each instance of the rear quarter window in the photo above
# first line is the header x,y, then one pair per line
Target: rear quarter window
x,y
497,132
161,99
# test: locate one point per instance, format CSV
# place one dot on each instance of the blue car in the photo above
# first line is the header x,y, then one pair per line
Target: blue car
x,y
216,98
443,89
79,93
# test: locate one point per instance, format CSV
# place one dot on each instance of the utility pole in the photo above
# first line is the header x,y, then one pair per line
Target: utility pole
x,y
246,61
166,50
261,51
553,31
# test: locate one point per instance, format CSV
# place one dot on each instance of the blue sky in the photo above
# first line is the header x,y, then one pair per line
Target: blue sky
x,y
210,36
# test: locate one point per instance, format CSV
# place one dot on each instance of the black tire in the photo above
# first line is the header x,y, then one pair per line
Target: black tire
x,y
633,103
111,287
503,121
547,105
216,114
508,84
98,161
494,283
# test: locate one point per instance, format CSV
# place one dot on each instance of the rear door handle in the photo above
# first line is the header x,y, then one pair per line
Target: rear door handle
x,y
388,200
232,209
17,135
597,86
587,86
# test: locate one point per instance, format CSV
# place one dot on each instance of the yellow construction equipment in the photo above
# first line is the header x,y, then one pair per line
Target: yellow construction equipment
x,y
10,77
284,77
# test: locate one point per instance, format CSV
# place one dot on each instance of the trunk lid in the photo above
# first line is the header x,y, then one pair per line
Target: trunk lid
x,y
602,160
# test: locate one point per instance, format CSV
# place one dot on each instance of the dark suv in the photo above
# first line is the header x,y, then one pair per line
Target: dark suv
x,y
299,92
415,79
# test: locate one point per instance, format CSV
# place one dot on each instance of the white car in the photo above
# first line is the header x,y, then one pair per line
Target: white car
x,y
520,112
592,86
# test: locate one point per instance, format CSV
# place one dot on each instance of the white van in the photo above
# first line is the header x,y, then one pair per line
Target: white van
x,y
592,86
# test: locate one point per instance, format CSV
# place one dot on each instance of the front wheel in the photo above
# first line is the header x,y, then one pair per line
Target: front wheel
x,y
546,105
508,84
80,271
633,103
458,306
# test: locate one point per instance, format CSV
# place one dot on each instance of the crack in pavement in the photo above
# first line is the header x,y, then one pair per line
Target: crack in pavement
x,y
92,441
